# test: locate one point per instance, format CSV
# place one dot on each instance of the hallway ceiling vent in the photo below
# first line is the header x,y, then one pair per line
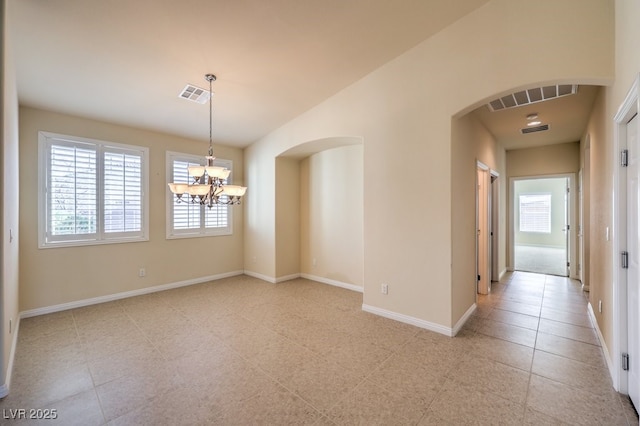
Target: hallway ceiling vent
x,y
534,129
532,96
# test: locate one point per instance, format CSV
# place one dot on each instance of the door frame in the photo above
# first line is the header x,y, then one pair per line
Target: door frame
x,y
489,225
572,218
629,107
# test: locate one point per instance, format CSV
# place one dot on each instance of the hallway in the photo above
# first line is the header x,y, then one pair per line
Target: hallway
x,y
539,323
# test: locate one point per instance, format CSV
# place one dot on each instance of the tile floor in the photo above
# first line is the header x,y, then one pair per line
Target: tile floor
x,y
240,351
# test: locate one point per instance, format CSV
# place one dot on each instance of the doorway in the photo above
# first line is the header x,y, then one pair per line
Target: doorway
x,y
487,193
541,225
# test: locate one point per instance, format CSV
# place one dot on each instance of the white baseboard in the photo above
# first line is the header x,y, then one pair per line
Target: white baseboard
x,y
323,280
123,295
4,389
605,350
329,281
409,320
287,278
501,274
266,278
464,318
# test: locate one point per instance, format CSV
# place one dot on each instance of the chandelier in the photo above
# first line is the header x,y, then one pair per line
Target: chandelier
x,y
208,186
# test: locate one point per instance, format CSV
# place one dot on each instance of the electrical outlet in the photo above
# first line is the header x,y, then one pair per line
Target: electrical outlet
x,y
142,272
385,289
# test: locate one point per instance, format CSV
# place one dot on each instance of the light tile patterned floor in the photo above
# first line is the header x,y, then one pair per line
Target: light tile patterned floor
x,y
241,351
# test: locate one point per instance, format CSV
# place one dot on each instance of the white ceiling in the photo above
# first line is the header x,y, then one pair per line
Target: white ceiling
x,y
125,61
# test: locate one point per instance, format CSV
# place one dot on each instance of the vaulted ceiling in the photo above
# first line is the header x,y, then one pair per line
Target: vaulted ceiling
x,y
125,62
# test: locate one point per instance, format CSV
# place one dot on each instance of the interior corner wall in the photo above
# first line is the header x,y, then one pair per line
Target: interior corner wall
x,y
470,143
56,276
402,111
9,205
260,212
287,217
332,215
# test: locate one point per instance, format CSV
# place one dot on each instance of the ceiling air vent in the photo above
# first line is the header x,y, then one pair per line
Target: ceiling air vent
x,y
195,94
531,96
534,129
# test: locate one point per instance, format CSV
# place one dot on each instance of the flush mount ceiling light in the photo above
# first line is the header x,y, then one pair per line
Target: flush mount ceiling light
x,y
209,182
532,120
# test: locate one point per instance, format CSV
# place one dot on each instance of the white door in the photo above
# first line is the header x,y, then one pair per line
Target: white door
x,y
633,274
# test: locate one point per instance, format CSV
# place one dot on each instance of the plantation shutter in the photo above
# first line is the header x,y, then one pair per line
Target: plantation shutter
x,y
187,219
72,191
185,214
122,191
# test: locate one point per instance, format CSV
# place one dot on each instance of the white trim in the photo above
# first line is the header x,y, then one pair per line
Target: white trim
x,y
627,109
262,277
603,344
329,281
502,274
124,295
287,278
45,141
408,320
4,389
463,319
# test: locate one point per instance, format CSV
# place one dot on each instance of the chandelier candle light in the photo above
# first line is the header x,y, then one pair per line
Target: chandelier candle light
x,y
208,186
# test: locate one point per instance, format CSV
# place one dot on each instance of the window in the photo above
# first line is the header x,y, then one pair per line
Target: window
x,y
91,192
535,213
185,219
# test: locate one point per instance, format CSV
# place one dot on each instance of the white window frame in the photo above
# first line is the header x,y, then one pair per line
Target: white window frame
x,y
202,231
45,141
546,196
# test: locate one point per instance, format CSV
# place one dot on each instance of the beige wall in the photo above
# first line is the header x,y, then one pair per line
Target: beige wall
x,y
600,131
600,213
287,217
332,215
470,143
9,222
61,275
544,160
403,111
